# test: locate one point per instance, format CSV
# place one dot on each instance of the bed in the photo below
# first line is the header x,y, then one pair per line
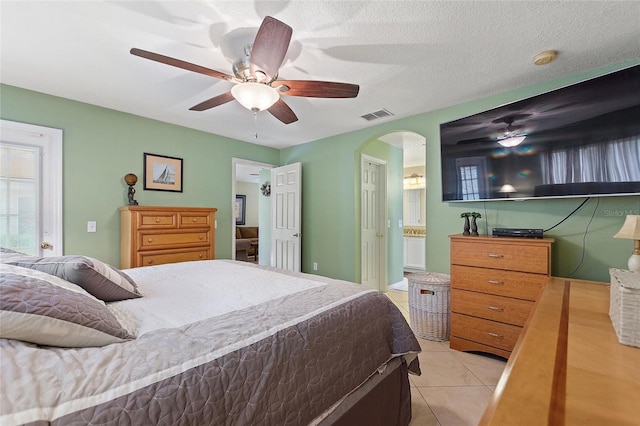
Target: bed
x,y
197,343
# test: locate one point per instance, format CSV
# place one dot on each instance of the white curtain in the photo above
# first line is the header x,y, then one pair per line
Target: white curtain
x,y
614,161
624,158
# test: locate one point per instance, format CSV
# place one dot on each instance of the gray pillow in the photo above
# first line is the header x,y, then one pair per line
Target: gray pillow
x,y
43,309
101,280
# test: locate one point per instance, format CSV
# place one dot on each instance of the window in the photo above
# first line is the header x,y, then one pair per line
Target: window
x,y
469,181
472,180
18,195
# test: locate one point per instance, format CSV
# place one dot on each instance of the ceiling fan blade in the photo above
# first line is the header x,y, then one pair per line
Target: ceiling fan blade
x,y
270,47
317,89
476,140
180,64
213,102
282,112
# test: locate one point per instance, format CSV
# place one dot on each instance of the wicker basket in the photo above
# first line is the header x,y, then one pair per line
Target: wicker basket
x,y
624,307
429,295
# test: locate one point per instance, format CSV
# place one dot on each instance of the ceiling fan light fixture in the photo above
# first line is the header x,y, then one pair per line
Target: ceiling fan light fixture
x,y
255,96
512,141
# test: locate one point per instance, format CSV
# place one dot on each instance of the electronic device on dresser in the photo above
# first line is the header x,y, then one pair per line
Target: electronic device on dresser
x,y
517,232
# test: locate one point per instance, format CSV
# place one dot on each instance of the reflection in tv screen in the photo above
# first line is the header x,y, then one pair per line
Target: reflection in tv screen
x,y
579,140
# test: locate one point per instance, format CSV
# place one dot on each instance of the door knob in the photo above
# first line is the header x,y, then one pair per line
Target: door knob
x,y
296,234
378,234
45,245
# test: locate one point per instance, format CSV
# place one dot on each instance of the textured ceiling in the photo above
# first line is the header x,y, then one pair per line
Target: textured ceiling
x,y
407,57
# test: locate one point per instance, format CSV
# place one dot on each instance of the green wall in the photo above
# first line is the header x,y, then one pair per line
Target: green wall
x,y
331,221
102,145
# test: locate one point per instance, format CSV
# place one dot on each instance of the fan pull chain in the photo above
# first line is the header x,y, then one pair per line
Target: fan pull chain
x,y
255,122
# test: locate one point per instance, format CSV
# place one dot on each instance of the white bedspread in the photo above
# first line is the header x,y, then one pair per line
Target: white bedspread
x,y
202,298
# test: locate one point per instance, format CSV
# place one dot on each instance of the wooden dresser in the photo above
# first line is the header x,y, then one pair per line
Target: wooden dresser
x,y
494,284
152,235
569,368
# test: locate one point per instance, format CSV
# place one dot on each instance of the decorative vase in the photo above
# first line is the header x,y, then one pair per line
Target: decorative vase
x,y
474,226
466,226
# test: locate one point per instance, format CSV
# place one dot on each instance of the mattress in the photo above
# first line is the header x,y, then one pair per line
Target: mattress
x,y
219,343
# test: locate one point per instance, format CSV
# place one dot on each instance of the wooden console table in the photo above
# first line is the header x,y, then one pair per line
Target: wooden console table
x,y
568,367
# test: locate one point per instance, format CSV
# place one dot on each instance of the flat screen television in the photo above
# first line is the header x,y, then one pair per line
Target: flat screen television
x,y
575,141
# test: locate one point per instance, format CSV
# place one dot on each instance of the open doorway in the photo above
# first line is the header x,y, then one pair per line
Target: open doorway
x,y
251,218
414,201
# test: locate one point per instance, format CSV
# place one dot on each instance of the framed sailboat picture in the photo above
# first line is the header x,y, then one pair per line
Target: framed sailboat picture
x,y
162,173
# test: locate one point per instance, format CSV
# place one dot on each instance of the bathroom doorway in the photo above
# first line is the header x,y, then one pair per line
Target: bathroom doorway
x,y
414,200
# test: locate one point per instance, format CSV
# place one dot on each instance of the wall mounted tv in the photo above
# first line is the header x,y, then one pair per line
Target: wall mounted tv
x,y
576,141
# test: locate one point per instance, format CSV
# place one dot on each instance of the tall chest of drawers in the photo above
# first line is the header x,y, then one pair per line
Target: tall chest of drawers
x,y
152,235
495,282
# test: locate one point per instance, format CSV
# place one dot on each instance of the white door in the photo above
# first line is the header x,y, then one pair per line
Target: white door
x,y
286,237
372,207
31,188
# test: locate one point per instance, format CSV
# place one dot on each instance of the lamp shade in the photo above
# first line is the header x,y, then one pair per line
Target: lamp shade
x,y
130,178
630,229
255,96
512,141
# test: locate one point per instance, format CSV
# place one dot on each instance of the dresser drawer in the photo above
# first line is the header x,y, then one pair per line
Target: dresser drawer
x,y
496,281
172,239
486,332
514,257
489,306
157,220
172,256
153,235
194,219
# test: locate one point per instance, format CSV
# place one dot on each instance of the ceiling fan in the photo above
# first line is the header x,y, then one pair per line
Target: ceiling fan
x,y
257,87
511,135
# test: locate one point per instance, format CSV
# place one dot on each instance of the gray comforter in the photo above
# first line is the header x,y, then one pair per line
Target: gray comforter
x,y
285,361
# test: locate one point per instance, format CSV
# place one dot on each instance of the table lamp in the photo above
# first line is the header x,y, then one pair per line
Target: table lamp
x,y
631,231
131,180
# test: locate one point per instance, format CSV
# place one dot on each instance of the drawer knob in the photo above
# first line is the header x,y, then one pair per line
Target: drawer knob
x,y
495,256
495,308
496,282
200,237
499,336
194,220
200,256
149,240
150,261
157,220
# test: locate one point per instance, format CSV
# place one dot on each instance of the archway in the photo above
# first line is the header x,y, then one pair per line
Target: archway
x,y
411,160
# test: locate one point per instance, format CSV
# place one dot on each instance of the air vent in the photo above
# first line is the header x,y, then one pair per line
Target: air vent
x,y
377,114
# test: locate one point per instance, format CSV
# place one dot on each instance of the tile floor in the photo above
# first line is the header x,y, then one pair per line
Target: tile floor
x,y
454,387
